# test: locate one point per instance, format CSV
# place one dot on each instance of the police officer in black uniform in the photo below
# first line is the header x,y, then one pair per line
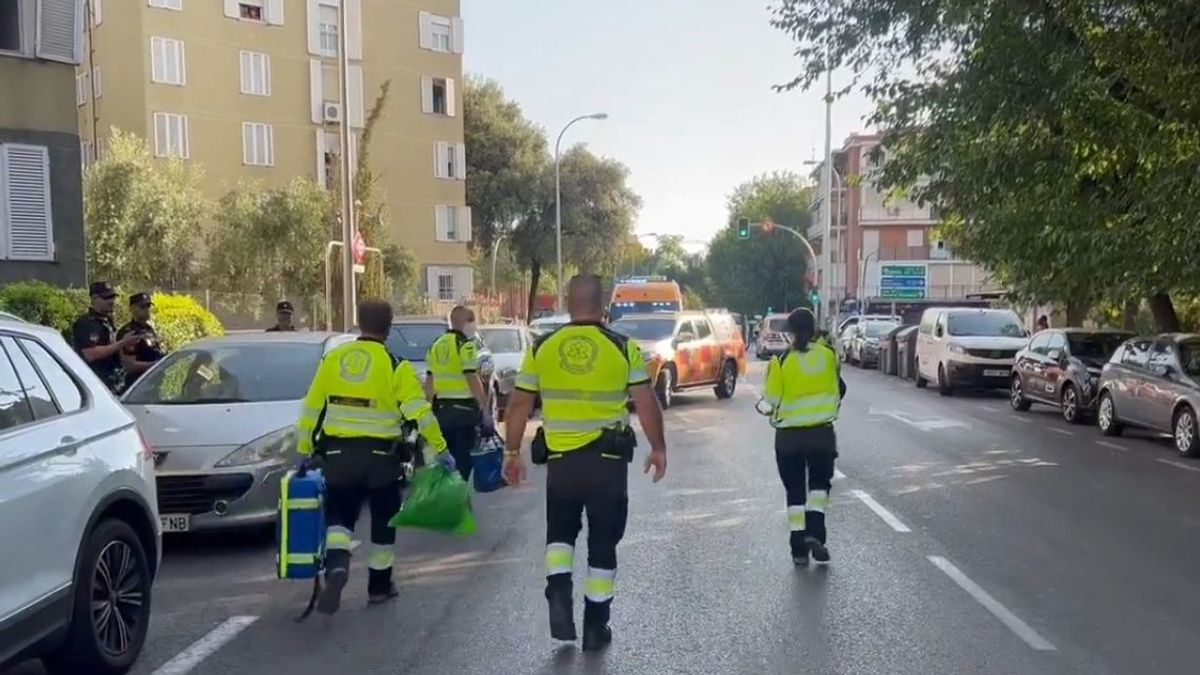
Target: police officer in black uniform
x,y
137,358
283,318
94,336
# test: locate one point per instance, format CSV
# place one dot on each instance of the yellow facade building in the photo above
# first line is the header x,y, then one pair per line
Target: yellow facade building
x,y
249,89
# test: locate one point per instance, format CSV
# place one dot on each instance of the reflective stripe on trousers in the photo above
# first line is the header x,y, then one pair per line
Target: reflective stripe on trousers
x,y
796,518
381,557
337,538
818,501
560,558
600,584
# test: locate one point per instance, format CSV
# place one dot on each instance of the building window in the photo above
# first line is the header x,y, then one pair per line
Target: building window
x,y
176,5
916,238
451,161
26,228
258,144
327,26
251,10
453,223
445,286
256,73
439,96
97,86
442,32
170,135
167,61
81,88
10,25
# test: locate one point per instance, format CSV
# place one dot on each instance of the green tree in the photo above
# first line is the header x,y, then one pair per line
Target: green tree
x,y
768,269
142,216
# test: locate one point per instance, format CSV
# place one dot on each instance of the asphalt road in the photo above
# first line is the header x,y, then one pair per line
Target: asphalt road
x,y
966,539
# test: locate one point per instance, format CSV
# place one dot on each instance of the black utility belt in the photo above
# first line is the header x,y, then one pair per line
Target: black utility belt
x,y
613,444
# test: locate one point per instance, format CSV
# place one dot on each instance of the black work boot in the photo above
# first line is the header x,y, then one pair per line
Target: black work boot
x,y
559,595
799,549
380,586
337,573
820,554
596,633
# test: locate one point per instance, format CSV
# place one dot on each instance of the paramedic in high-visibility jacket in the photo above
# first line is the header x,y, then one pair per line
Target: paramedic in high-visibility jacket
x,y
352,419
460,400
804,389
585,374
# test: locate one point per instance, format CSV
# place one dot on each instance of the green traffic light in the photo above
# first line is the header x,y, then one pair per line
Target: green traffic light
x,y
743,228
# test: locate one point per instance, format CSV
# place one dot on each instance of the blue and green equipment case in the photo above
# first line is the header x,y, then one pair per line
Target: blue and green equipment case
x,y
301,525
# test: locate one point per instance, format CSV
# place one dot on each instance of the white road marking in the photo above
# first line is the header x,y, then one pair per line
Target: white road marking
x,y
1178,465
988,408
883,513
1018,418
923,425
1114,446
203,648
1064,432
837,474
1021,629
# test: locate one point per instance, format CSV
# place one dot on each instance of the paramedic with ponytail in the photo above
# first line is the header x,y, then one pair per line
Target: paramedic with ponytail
x,y
803,390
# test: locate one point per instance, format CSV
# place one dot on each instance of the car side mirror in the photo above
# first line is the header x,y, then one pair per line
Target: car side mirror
x,y
1055,355
684,336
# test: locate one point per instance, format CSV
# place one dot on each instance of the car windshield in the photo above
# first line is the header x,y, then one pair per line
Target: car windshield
x,y
230,373
777,325
619,309
1095,347
501,340
645,329
411,341
1189,357
985,324
878,329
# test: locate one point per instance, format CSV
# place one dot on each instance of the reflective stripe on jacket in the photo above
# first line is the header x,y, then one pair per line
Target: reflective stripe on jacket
x,y
803,388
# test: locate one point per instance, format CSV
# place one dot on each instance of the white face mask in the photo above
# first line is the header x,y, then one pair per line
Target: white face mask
x,y
469,330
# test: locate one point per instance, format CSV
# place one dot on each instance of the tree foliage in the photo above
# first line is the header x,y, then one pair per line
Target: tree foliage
x,y
768,269
1058,138
142,216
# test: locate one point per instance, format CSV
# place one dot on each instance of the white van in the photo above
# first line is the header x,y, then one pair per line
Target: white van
x,y
972,347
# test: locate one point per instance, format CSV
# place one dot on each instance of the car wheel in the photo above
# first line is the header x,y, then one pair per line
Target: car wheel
x,y
728,384
1185,432
1071,411
920,381
112,604
665,386
945,388
1106,416
1017,395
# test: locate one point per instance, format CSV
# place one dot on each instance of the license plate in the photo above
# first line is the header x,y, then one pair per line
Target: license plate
x,y
995,373
176,523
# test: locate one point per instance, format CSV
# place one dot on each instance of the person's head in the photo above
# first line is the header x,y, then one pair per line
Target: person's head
x,y
140,305
103,297
1043,321
461,319
803,326
283,313
585,298
375,318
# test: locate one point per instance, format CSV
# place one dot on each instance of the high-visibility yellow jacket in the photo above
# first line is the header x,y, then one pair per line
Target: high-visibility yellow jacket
x,y
362,391
804,387
452,359
583,372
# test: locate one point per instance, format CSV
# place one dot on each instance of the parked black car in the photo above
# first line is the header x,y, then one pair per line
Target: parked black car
x,y
1061,367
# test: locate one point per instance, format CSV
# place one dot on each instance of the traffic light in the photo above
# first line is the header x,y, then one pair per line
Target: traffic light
x,y
743,228
815,299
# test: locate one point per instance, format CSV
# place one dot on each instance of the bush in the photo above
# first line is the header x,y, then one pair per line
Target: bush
x,y
39,302
181,320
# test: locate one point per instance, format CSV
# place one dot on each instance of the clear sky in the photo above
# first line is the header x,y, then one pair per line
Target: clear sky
x,y
687,85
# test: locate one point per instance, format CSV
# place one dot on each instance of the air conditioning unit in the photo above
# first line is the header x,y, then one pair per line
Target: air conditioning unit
x,y
332,112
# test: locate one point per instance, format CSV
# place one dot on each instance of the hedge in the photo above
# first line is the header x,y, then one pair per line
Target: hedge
x,y
178,318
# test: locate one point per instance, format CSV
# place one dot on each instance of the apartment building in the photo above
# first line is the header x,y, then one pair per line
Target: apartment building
x,y
41,207
884,247
250,90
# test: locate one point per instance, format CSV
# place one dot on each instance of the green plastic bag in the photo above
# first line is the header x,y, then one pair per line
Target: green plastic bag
x,y
437,499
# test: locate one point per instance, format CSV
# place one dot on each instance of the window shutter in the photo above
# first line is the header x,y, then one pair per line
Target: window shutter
x,y
431,281
460,162
456,34
97,84
441,227
464,223
426,28
246,70
426,94
59,29
247,143
353,155
97,12
274,10
314,27
231,9
451,104
26,201
316,84
320,174
354,32
184,142
439,159
355,75
464,283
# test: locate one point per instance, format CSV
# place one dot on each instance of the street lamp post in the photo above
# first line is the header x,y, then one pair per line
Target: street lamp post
x,y
558,204
499,237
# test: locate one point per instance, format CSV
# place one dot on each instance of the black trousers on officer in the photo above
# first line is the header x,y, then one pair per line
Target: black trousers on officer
x,y
357,471
592,480
805,458
459,421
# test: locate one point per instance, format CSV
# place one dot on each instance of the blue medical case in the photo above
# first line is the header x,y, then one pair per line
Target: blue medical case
x,y
301,525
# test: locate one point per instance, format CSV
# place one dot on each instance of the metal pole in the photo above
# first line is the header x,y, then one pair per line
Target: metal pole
x,y
349,308
558,206
495,251
827,178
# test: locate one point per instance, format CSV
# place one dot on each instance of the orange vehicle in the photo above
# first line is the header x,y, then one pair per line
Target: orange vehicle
x,y
688,350
644,295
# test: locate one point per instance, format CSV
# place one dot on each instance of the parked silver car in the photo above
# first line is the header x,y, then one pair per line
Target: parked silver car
x,y
507,344
221,415
1153,383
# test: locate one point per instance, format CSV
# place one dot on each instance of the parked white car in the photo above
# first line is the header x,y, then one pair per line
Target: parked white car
x,y
971,347
507,344
78,516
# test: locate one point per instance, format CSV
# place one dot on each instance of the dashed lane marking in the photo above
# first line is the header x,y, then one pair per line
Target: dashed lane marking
x,y
887,516
1021,629
988,408
1114,446
838,475
1064,432
203,648
1018,418
1178,465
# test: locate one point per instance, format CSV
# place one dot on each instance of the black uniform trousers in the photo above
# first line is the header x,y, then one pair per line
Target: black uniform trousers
x,y
459,421
593,480
805,457
356,471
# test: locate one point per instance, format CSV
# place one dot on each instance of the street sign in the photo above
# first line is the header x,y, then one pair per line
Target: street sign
x,y
360,248
904,281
